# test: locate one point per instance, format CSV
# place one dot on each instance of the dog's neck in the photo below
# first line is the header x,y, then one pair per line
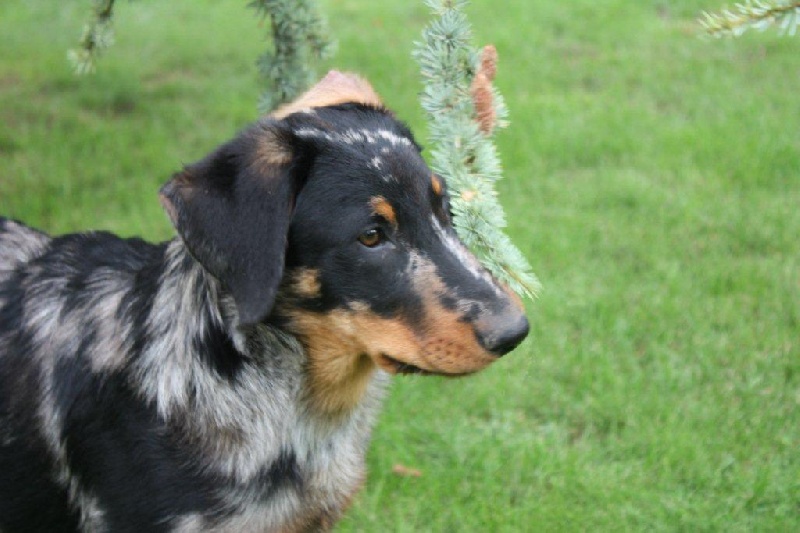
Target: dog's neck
x,y
204,367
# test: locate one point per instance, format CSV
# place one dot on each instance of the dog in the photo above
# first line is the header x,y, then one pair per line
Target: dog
x,y
228,380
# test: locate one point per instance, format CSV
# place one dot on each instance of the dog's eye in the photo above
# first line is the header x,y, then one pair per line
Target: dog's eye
x,y
371,238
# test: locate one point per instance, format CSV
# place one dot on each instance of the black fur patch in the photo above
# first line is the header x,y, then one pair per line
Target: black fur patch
x,y
107,449
217,350
283,472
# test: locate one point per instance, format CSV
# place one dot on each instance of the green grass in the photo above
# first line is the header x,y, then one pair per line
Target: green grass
x,y
652,180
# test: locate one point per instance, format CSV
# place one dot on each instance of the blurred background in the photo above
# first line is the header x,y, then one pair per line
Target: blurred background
x,y
651,180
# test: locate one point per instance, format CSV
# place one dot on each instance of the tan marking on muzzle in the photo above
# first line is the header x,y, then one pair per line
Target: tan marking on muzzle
x,y
444,345
450,345
342,347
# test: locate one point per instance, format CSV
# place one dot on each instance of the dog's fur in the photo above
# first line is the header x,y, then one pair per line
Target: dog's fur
x,y
228,380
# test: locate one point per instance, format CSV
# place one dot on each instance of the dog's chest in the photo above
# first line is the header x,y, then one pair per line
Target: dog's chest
x,y
294,471
316,477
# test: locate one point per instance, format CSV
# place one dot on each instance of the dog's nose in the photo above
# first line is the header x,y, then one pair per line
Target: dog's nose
x,y
504,333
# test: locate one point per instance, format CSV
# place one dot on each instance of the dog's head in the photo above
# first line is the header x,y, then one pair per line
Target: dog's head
x,y
324,218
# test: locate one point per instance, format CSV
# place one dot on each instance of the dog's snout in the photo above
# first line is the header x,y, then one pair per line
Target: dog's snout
x,y
503,333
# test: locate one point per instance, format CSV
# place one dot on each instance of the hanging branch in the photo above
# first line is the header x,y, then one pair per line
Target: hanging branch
x,y
464,110
299,37
753,14
298,34
98,35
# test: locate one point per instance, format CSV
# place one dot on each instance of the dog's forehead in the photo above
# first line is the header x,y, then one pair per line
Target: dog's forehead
x,y
355,127
368,146
374,136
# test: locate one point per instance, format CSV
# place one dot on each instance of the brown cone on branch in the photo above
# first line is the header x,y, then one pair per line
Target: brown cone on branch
x,y
489,61
481,90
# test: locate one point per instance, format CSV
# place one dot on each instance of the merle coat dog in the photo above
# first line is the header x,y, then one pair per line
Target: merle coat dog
x,y
228,380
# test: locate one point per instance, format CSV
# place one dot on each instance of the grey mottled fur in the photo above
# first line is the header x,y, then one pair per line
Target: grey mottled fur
x,y
238,428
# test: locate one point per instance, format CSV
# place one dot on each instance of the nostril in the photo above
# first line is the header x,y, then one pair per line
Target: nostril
x,y
506,337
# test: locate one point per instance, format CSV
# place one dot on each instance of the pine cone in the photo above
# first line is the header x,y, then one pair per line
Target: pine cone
x,y
481,90
489,61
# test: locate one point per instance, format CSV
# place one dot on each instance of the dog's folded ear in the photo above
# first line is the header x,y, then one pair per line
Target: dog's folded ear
x,y
335,88
233,209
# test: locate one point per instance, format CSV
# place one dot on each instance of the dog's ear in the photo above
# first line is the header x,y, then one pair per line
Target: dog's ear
x,y
233,209
335,88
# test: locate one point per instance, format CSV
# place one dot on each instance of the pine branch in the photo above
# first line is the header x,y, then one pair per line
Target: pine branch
x,y
464,110
298,34
97,37
299,38
753,14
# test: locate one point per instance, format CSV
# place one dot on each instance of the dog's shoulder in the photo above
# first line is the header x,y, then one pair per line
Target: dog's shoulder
x,y
74,286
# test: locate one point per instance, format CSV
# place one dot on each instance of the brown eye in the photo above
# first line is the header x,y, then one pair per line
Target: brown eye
x,y
371,237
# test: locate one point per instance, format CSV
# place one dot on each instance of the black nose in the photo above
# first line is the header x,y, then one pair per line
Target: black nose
x,y
504,334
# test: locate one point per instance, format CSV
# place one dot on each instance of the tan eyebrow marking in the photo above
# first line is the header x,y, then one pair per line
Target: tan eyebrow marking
x,y
382,207
436,183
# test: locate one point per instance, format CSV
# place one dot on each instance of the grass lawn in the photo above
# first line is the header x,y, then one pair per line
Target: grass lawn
x,y
652,178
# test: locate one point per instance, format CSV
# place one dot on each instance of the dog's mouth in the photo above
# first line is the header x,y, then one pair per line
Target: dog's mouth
x,y
399,367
